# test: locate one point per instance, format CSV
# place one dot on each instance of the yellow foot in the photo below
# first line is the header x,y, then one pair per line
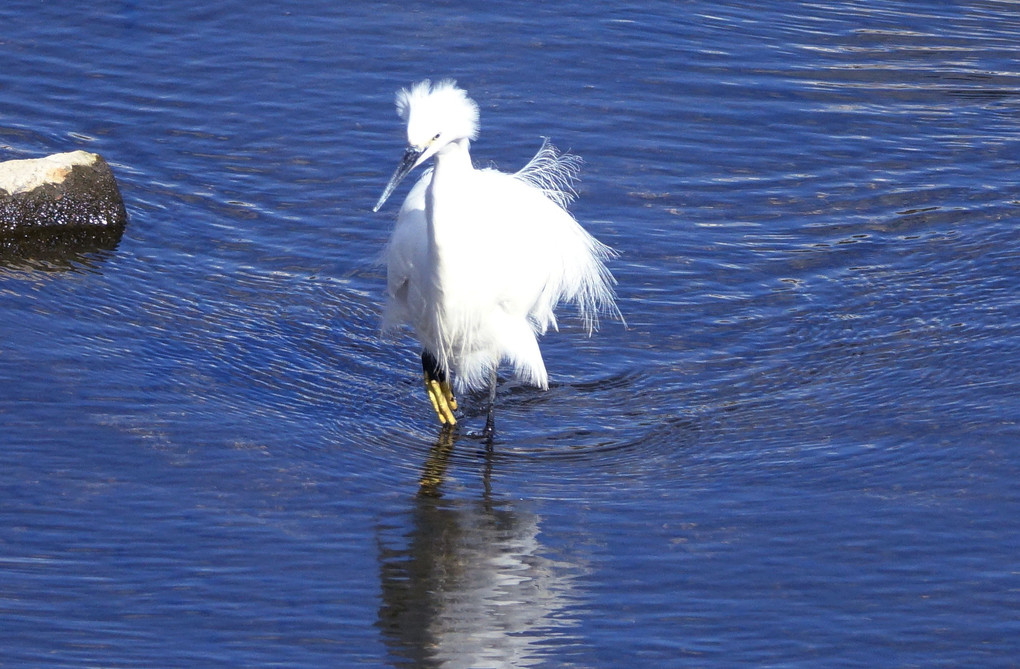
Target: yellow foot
x,y
441,395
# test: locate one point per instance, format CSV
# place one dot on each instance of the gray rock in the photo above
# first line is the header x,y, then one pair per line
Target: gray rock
x,y
66,202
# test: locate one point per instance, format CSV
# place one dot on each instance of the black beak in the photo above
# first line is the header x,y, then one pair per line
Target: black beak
x,y
406,164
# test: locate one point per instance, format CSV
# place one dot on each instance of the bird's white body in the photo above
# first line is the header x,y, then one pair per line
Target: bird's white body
x,y
480,278
479,259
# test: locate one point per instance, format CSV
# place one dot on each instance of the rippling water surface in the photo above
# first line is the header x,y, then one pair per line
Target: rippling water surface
x,y
801,450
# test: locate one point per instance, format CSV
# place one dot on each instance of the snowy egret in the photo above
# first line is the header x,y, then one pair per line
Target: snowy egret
x,y
479,259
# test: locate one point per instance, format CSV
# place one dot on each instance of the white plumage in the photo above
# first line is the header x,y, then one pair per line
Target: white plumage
x,y
479,259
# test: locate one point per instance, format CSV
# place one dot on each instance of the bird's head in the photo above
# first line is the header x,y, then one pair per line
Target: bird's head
x,y
436,115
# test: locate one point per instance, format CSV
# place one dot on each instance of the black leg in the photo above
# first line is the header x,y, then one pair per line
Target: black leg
x,y
431,367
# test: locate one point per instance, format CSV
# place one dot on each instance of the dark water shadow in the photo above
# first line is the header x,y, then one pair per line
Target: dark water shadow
x,y
49,250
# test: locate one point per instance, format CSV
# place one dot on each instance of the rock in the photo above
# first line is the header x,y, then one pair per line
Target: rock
x,y
64,202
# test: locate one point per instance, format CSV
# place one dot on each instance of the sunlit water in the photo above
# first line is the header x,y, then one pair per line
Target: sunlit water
x,y
802,450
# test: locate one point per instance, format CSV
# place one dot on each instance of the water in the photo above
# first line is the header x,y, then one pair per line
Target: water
x,y
801,450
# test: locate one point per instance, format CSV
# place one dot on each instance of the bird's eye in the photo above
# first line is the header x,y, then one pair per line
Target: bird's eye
x,y
437,136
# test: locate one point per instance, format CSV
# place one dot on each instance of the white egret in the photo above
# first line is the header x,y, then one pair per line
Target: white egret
x,y
479,259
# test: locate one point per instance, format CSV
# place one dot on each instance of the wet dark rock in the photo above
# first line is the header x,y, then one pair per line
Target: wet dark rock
x,y
60,204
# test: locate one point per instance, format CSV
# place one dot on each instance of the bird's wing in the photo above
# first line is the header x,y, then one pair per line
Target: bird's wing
x,y
405,255
566,262
408,244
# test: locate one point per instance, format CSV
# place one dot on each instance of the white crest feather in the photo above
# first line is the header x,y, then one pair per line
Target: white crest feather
x,y
437,108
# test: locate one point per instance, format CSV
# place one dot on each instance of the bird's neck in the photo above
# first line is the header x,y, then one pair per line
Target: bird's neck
x,y
453,162
443,201
453,157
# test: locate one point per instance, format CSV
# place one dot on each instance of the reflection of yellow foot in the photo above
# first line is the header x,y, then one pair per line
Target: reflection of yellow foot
x,y
435,465
441,395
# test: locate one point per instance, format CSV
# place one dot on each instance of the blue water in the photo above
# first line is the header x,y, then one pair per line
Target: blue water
x,y
802,450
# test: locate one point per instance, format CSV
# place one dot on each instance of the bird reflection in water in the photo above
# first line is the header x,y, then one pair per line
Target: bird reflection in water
x,y
466,583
